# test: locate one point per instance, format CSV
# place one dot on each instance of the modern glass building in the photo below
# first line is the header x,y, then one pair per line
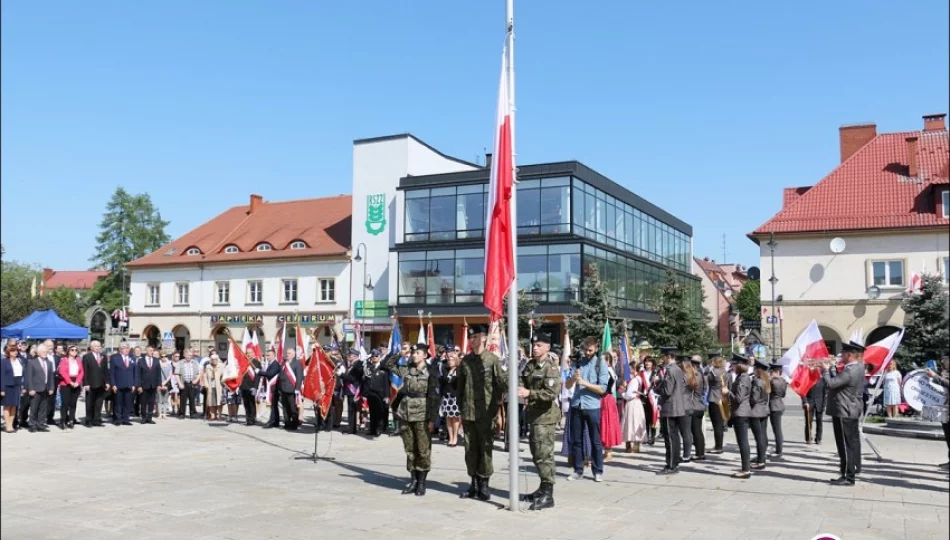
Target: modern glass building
x,y
569,218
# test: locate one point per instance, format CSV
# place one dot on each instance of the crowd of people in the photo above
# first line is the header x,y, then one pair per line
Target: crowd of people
x,y
600,402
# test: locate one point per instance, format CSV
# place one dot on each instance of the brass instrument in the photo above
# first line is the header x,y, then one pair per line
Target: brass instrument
x,y
725,404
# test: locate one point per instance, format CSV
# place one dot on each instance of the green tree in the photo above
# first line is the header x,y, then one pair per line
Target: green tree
x,y
678,324
131,228
526,306
595,307
16,295
69,304
749,301
926,335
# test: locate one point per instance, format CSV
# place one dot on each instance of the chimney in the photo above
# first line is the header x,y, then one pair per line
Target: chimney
x,y
911,143
47,273
256,202
853,138
935,122
488,160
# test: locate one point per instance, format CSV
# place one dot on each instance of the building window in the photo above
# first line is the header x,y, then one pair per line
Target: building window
x,y
289,287
887,273
255,292
232,249
445,213
222,292
327,289
154,294
299,244
181,294
544,206
946,269
945,202
633,284
193,251
264,246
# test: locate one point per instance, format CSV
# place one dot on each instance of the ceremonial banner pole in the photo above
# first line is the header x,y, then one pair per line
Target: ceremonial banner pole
x,y
513,359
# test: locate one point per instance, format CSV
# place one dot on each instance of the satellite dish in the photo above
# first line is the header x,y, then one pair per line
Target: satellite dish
x,y
754,273
837,245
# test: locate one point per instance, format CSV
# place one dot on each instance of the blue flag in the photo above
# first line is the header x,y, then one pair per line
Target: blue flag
x,y
625,357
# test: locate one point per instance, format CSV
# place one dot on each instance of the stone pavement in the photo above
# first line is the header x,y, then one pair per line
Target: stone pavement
x,y
188,479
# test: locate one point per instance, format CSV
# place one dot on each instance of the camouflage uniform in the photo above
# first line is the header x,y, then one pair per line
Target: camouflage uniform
x,y
543,379
418,405
481,383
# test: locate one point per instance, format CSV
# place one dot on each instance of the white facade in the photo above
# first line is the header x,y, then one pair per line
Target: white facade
x,y
815,283
236,296
378,165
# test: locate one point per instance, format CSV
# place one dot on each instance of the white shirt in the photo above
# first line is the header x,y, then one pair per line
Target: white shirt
x,y
73,368
17,367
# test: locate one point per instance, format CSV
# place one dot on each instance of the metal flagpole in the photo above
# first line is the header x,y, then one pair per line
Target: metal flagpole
x,y
513,374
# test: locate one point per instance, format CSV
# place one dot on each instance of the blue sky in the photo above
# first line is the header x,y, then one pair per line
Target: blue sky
x,y
707,109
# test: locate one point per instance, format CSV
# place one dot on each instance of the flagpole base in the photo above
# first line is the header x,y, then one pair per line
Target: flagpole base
x,y
316,436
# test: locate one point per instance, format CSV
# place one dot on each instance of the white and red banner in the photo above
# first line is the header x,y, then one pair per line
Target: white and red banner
x,y
499,230
796,361
236,366
257,346
879,354
303,344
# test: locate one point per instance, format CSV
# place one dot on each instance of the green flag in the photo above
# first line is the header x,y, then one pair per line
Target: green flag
x,y
607,341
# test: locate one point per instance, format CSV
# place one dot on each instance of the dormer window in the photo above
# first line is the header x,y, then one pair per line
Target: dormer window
x,y
193,251
264,246
298,244
945,203
232,249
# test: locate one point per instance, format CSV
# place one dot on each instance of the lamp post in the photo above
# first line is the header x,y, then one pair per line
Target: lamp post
x,y
773,280
362,257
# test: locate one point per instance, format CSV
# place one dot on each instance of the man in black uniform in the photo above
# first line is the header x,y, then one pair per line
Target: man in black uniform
x,y
377,394
845,407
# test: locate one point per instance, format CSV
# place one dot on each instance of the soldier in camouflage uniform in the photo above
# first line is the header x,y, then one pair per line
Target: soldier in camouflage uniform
x,y
541,385
481,383
416,405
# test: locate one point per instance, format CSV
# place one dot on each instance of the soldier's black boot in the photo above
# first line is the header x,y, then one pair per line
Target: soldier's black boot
x,y
413,484
472,489
483,493
421,487
530,497
545,498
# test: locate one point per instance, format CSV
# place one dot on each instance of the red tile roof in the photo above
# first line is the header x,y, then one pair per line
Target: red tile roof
x,y
322,224
871,190
71,279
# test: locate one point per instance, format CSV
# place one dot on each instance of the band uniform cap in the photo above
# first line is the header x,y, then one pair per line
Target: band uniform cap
x,y
477,329
760,364
353,352
541,338
713,354
668,351
776,366
852,347
739,359
696,360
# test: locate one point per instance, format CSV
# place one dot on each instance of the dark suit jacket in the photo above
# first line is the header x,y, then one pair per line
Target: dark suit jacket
x,y
284,383
149,379
8,383
248,383
33,373
96,374
816,396
121,376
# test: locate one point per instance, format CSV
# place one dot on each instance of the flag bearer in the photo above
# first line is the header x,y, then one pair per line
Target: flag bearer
x,y
541,387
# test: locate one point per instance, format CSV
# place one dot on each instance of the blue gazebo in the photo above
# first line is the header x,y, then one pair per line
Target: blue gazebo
x,y
45,324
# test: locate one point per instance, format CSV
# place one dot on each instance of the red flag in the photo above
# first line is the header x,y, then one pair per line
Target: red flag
x,y
431,336
804,379
236,367
499,234
257,346
879,354
319,381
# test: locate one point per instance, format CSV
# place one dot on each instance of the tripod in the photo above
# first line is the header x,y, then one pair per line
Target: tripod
x,y
316,436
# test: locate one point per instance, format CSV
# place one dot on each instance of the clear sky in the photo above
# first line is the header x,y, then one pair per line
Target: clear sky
x,y
706,109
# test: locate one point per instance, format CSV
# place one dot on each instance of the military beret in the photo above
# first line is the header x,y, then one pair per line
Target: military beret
x,y
668,351
739,359
421,347
714,354
541,338
477,329
852,347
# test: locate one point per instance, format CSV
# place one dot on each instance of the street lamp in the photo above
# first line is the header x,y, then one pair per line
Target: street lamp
x,y
773,280
367,285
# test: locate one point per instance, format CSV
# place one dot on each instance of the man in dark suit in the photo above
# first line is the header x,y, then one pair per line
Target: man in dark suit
x,y
814,405
136,397
40,385
377,392
248,383
149,378
845,407
122,376
54,354
96,379
270,371
289,374
350,382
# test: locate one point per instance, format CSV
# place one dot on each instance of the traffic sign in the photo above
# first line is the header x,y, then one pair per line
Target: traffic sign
x,y
772,319
168,336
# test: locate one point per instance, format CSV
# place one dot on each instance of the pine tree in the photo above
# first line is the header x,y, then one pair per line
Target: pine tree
x,y
678,325
926,335
595,309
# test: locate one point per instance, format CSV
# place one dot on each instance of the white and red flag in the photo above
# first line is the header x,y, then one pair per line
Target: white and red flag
x,y
795,363
246,341
879,354
303,343
499,233
279,352
431,335
236,367
257,346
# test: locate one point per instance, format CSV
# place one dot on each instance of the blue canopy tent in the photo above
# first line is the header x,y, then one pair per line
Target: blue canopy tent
x,y
44,325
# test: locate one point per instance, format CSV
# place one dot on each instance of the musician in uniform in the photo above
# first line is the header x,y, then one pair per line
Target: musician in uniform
x,y
416,406
845,407
761,388
481,382
718,407
541,387
740,405
777,406
670,385
696,407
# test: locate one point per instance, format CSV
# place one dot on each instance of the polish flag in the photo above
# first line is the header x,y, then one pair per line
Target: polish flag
x,y
499,234
808,346
880,354
246,342
303,342
279,351
431,336
236,367
257,346
916,284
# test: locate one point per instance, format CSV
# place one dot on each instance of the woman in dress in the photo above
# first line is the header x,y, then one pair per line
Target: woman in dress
x,y
610,434
211,379
892,389
70,386
449,408
164,391
11,379
634,420
173,390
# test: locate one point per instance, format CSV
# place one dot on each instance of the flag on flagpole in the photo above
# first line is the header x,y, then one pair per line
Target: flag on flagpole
x,y
422,333
607,342
395,345
319,382
625,357
499,230
431,336
279,351
236,366
795,363
257,346
303,343
246,341
879,354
